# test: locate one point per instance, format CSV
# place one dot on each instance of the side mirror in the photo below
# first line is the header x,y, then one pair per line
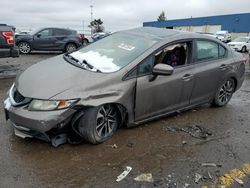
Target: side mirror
x,y
162,69
38,35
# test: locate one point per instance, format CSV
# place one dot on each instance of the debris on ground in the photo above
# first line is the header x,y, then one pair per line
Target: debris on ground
x,y
239,181
197,178
130,144
209,175
195,131
184,142
186,185
114,146
211,165
158,182
124,174
144,178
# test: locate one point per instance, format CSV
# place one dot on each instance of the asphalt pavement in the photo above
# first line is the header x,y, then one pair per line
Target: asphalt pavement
x,y
169,157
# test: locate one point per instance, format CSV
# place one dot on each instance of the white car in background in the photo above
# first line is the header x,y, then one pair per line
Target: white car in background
x,y
240,44
224,36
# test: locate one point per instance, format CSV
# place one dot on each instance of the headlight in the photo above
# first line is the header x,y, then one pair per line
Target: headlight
x,y
44,105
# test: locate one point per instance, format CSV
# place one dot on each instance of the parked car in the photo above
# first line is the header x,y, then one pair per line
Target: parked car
x,y
208,34
50,39
240,44
99,35
125,79
224,36
17,34
7,41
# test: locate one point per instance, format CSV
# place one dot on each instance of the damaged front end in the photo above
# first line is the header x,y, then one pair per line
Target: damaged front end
x,y
31,120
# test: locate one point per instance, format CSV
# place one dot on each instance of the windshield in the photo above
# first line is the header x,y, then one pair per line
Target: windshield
x,y
241,39
114,52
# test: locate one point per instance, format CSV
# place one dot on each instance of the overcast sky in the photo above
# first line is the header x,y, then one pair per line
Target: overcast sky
x,y
116,14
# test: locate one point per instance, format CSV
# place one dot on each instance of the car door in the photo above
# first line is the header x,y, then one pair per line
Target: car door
x,y
60,38
164,93
44,40
211,65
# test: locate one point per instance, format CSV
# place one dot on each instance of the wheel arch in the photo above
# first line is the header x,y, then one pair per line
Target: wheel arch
x,y
70,42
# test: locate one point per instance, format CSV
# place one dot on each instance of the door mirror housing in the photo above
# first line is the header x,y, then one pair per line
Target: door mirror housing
x,y
38,35
162,69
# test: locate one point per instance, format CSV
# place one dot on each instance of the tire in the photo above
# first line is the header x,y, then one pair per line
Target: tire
x,y
244,49
24,47
70,47
85,42
99,123
224,93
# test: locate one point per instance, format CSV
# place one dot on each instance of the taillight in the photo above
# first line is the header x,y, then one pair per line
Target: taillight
x,y
9,37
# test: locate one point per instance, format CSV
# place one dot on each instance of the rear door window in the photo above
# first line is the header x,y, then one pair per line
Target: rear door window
x,y
208,50
61,32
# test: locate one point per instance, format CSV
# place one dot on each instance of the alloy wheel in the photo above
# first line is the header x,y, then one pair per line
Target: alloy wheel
x,y
226,91
106,120
24,47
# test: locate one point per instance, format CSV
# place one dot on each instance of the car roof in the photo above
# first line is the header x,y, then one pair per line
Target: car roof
x,y
154,32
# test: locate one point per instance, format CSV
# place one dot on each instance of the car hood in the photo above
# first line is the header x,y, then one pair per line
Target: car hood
x,y
55,76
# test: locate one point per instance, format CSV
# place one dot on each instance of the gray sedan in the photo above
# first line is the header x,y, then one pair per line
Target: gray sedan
x,y
125,79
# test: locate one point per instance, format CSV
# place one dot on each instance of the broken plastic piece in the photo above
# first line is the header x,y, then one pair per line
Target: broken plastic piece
x,y
145,178
114,146
198,177
124,174
59,140
239,181
211,165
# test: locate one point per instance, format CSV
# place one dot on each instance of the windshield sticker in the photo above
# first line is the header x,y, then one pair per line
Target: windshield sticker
x,y
126,47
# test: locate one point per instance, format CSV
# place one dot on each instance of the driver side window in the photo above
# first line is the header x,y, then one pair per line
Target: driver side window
x,y
45,33
174,55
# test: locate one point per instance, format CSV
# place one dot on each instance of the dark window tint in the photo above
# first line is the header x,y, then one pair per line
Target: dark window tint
x,y
61,32
146,66
131,74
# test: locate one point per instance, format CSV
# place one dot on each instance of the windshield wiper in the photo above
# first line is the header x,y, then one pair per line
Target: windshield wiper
x,y
84,64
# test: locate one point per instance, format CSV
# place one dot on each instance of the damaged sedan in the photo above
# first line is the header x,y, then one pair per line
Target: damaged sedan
x,y
125,79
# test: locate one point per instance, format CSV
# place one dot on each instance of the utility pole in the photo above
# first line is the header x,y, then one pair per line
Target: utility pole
x,y
91,14
83,26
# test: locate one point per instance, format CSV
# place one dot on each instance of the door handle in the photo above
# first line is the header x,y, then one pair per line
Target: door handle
x,y
223,67
187,77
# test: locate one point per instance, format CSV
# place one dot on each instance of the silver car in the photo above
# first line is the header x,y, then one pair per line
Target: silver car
x,y
125,79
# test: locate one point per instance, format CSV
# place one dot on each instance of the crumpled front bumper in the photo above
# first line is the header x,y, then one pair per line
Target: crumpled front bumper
x,y
39,124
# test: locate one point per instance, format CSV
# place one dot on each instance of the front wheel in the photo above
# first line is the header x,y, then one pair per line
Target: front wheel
x,y
24,47
224,93
99,123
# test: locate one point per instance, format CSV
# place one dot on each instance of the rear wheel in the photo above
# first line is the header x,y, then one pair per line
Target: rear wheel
x,y
224,93
244,49
99,124
70,47
24,47
85,42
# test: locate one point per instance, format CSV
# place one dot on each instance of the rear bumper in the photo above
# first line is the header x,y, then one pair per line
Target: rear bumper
x,y
9,52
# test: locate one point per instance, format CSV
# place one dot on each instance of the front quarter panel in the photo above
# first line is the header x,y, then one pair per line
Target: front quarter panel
x,y
122,93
